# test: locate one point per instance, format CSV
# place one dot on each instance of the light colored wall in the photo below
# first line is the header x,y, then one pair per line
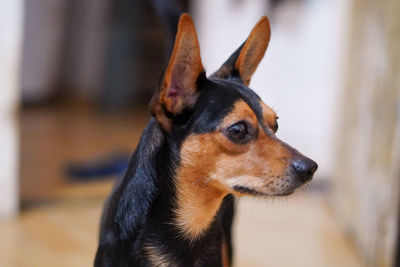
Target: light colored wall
x,y
301,73
368,163
11,17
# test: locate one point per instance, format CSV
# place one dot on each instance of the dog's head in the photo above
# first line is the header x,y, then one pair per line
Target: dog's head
x,y
226,132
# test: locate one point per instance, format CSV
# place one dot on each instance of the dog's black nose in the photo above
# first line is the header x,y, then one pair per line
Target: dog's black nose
x,y
304,168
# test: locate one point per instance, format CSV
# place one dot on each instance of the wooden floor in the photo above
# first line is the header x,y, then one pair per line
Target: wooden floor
x,y
59,224
298,231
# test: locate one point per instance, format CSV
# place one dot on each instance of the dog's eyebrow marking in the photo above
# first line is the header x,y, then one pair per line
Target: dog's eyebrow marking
x,y
241,111
269,115
253,101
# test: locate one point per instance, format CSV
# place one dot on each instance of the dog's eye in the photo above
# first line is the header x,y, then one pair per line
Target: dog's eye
x,y
237,132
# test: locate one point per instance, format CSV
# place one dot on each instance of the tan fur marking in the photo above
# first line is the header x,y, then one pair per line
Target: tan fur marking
x,y
158,113
269,115
156,258
241,111
224,252
198,201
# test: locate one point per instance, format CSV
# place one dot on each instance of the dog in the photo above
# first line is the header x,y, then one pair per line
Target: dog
x,y
209,139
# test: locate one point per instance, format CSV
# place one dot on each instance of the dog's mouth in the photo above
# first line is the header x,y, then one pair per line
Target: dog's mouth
x,y
250,191
246,190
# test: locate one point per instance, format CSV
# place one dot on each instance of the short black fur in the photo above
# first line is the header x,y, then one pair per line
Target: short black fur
x,y
141,207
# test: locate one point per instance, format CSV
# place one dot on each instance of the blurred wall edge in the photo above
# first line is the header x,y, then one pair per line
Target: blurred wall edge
x,y
41,50
367,169
11,18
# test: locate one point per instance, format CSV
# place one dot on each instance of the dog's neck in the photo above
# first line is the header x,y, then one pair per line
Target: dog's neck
x,y
197,198
188,211
198,201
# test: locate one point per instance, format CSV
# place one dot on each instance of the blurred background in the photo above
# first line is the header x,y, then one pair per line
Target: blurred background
x,y
75,79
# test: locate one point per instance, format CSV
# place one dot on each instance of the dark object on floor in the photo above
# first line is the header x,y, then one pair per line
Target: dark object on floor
x,y
112,165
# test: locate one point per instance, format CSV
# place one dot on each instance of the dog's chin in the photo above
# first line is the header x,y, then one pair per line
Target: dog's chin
x,y
243,190
282,194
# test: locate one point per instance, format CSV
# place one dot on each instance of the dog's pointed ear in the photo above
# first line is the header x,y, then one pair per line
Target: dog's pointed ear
x,y
178,90
244,61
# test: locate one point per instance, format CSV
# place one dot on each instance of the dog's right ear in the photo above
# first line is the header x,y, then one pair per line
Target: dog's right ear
x,y
244,61
178,90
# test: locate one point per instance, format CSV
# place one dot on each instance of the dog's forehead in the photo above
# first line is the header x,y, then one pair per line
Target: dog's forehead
x,y
220,100
262,111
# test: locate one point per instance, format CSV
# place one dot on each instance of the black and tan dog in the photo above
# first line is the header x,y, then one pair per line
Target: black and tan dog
x,y
210,138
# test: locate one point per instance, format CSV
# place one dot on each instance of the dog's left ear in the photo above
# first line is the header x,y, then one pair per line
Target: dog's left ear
x,y
244,61
179,89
